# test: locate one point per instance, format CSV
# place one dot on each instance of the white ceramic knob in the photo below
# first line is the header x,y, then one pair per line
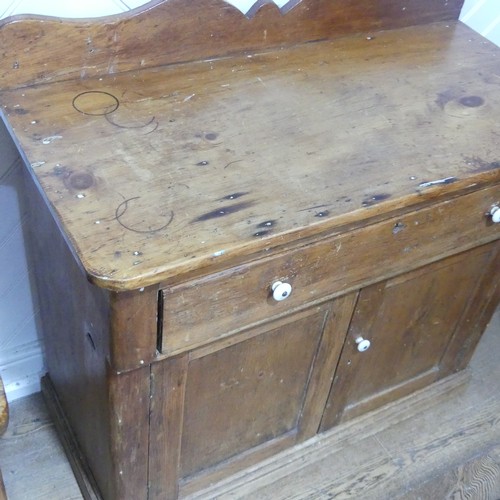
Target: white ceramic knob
x,y
281,291
495,214
363,344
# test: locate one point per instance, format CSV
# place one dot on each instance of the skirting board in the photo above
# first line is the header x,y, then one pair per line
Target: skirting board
x,y
21,369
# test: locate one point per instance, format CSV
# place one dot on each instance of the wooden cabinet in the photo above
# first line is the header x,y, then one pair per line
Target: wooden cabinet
x,y
178,172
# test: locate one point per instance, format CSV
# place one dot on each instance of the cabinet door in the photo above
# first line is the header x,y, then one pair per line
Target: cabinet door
x,y
243,399
410,321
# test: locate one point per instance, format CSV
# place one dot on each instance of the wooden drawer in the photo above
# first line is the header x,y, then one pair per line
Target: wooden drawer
x,y
209,308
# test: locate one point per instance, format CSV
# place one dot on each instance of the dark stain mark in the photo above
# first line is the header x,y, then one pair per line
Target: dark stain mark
x,y
20,111
398,227
323,213
203,163
258,234
443,98
211,136
223,211
118,254
471,101
110,108
231,163
124,206
58,170
372,200
267,223
481,165
80,180
347,200
235,195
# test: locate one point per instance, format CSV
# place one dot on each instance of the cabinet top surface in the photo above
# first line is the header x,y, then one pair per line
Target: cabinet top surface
x,y
159,171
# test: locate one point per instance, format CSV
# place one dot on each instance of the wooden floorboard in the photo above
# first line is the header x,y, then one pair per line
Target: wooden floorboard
x,y
479,478
33,464
442,443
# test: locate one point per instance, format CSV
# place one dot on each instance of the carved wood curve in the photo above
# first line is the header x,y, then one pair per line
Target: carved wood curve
x,y
175,31
284,9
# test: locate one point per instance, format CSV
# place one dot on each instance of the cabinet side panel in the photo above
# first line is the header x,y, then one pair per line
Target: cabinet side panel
x,y
75,323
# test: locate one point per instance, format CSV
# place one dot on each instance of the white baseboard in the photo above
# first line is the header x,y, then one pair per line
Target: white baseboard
x,y
21,368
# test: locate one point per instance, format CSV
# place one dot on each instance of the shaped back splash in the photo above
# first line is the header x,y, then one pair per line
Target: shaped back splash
x,y
99,8
179,31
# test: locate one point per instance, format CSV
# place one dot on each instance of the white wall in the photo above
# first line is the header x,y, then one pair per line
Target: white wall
x,y
65,8
483,16
21,360
21,356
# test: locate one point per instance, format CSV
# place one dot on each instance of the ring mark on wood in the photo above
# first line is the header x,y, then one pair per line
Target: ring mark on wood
x,y
122,208
231,163
141,125
95,103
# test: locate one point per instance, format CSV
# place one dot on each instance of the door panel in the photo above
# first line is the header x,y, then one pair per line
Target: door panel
x,y
248,393
409,321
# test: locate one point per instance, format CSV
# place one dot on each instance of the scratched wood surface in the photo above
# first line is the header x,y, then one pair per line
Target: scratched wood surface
x,y
166,31
157,172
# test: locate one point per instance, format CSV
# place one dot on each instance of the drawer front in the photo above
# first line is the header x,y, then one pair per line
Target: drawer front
x,y
209,308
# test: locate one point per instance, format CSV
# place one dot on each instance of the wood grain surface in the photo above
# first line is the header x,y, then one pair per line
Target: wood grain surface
x,y
439,443
164,32
409,337
442,443
159,172
328,268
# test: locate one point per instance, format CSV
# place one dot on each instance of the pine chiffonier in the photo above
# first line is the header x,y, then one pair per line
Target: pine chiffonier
x,y
250,228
